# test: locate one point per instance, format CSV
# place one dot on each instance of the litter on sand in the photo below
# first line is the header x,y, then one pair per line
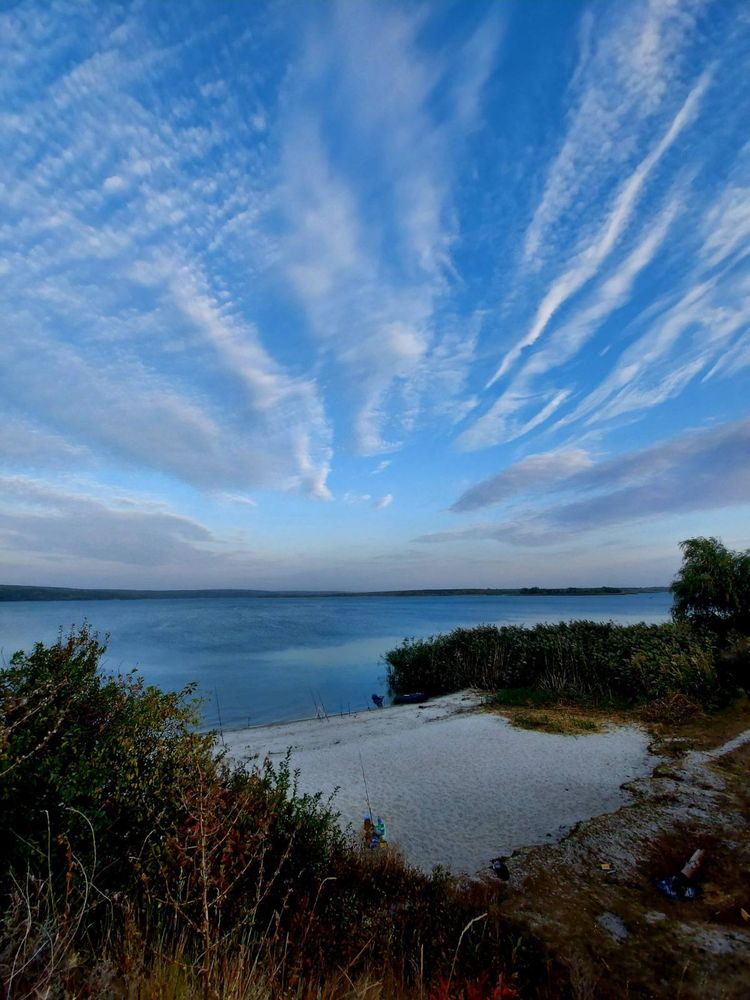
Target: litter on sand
x,y
681,886
374,834
500,868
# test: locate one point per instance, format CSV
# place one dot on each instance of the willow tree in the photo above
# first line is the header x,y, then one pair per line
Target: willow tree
x,y
712,588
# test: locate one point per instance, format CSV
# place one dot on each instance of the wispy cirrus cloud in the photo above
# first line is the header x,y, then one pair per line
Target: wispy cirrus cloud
x,y
591,257
596,243
375,314
501,422
631,62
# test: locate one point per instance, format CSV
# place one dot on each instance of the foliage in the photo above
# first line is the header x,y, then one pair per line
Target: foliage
x,y
131,849
74,743
712,589
594,661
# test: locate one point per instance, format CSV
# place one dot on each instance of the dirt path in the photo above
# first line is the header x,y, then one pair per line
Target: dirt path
x,y
616,933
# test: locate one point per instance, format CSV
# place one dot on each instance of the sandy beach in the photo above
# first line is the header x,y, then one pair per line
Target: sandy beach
x,y
456,786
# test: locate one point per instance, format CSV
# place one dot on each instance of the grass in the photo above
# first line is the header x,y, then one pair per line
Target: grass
x,y
561,723
527,708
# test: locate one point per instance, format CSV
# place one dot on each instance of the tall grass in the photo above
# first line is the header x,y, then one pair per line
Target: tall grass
x,y
579,659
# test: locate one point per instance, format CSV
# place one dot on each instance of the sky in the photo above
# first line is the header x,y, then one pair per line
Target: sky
x,y
372,295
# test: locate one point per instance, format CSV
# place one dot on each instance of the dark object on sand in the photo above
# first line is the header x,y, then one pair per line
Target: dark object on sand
x,y
681,886
377,700
500,868
415,698
374,834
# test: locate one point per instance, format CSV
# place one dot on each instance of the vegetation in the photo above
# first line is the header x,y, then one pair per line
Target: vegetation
x,y
135,862
703,656
581,660
712,589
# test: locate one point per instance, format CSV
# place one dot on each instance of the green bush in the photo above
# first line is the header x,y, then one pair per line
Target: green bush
x,y
580,659
120,822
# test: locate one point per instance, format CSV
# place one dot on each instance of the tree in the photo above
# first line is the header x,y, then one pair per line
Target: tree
x,y
712,588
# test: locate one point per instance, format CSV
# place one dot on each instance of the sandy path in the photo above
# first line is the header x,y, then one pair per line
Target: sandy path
x,y
455,786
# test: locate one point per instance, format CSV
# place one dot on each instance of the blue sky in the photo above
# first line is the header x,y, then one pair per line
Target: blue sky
x,y
372,295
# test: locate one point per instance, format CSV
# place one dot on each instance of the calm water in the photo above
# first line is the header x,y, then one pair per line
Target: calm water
x,y
274,659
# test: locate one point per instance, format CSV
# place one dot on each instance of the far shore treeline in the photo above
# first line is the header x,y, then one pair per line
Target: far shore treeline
x,y
11,592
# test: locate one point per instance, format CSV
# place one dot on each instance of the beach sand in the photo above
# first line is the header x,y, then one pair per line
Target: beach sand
x,y
455,786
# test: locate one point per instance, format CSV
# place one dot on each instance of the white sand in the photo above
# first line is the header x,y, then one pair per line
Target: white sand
x,y
455,787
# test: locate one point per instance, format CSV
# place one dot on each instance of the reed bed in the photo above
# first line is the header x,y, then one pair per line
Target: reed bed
x,y
583,660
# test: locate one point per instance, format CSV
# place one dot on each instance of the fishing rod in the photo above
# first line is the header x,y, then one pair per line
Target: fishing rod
x,y
367,794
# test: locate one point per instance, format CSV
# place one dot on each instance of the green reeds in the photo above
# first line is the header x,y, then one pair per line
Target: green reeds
x,y
593,661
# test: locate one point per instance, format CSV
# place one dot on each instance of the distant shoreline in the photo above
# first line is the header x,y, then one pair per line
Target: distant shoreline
x,y
9,592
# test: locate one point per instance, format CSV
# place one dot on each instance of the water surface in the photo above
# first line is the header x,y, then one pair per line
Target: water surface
x,y
258,660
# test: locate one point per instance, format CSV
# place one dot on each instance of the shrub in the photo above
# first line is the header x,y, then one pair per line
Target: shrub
x,y
122,823
76,744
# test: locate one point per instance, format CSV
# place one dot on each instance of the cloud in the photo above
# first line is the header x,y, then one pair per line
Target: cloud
x,y
380,467
591,257
501,422
649,271
236,498
25,445
48,522
384,501
526,476
114,184
679,343
374,312
695,471
122,245
632,62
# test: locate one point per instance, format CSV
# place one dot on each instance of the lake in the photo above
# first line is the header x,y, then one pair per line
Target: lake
x,y
260,660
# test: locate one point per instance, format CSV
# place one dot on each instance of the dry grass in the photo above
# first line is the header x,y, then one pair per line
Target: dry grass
x,y
554,719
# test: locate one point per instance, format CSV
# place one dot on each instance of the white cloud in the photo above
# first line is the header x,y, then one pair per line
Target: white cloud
x,y
236,498
375,312
633,59
114,183
501,421
591,257
384,501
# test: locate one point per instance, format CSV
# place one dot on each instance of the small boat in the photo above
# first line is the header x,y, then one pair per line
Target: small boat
x,y
415,698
